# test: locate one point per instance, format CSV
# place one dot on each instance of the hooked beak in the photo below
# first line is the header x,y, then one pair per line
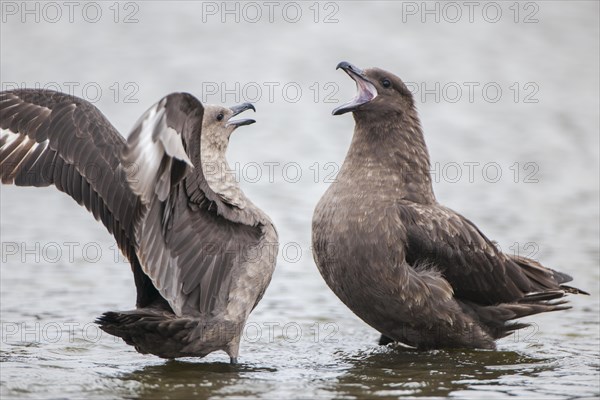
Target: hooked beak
x,y
366,90
238,110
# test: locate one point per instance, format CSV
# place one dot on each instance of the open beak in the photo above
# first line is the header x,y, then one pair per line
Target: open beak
x,y
366,90
238,110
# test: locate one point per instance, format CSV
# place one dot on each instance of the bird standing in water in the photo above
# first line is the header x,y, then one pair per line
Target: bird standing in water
x,y
201,253
418,272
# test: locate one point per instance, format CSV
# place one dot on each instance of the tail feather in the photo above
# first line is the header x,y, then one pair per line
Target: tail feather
x,y
166,335
520,310
498,319
155,332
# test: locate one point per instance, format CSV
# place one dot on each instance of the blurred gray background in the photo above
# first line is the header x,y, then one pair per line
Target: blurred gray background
x,y
508,95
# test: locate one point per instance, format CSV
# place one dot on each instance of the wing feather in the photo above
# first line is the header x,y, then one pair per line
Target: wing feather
x,y
477,270
188,235
50,138
177,233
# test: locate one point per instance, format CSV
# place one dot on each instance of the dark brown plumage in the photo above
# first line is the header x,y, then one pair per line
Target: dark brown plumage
x,y
413,269
201,253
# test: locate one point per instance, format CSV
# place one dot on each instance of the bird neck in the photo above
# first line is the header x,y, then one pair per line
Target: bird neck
x,y
390,154
219,176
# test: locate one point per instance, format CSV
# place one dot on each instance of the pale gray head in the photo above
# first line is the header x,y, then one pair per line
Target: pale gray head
x,y
218,124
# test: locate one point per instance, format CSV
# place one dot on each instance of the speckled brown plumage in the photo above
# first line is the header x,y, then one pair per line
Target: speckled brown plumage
x,y
418,272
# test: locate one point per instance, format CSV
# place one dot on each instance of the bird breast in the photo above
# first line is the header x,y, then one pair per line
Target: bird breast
x,y
357,231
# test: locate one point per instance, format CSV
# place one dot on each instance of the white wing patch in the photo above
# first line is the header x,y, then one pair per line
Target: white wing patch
x,y
6,138
149,155
20,148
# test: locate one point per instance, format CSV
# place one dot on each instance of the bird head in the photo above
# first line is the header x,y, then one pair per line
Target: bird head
x,y
378,90
219,119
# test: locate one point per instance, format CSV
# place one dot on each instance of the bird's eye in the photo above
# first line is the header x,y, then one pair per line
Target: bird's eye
x,y
386,83
220,117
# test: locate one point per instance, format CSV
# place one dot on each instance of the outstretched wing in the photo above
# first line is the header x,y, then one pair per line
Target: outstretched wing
x,y
50,138
191,243
477,270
